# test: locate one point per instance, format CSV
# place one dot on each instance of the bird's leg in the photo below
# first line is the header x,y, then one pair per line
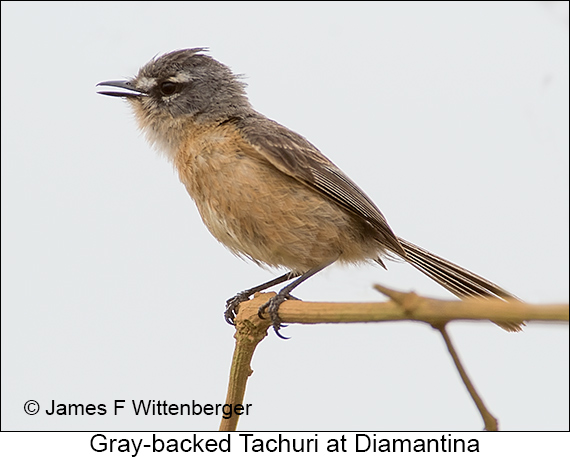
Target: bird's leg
x,y
232,304
272,306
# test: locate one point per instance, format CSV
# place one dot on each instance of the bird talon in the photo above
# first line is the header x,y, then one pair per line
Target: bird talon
x,y
272,308
279,334
232,306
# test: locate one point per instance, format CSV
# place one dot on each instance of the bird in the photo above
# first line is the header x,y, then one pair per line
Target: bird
x,y
264,191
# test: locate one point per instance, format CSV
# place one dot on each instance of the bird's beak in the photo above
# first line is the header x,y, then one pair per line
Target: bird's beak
x,y
130,90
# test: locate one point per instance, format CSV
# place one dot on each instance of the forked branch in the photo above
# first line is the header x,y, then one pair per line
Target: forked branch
x,y
250,329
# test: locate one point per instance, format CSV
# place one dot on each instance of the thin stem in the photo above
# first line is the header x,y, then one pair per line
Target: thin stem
x,y
250,330
491,422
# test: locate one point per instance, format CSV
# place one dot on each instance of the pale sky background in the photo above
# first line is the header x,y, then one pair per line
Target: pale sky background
x,y
452,117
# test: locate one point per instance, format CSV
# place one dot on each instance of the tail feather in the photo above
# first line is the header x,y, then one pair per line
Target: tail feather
x,y
457,280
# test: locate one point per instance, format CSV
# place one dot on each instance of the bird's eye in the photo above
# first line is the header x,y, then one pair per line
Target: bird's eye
x,y
168,87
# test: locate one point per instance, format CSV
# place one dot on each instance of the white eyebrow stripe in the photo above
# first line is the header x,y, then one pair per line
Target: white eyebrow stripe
x,y
180,77
145,83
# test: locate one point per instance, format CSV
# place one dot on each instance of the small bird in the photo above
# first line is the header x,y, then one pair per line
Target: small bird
x,y
264,191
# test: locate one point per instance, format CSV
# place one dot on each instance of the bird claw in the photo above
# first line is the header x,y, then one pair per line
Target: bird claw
x,y
232,306
272,308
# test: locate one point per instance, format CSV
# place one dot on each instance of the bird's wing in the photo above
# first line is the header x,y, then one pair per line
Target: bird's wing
x,y
293,155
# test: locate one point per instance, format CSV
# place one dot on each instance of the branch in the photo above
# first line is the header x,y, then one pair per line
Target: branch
x,y
409,306
491,423
250,329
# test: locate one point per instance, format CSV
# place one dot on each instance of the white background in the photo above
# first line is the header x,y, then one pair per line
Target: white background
x,y
452,117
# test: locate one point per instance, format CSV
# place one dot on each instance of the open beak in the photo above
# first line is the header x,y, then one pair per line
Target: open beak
x,y
129,90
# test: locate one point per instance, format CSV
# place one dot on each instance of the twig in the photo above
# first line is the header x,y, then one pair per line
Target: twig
x,y
491,422
250,330
410,303
417,308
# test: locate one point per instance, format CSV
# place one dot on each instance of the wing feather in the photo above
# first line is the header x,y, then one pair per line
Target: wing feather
x,y
293,155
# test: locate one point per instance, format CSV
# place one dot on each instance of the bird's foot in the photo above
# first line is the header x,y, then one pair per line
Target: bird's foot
x,y
272,308
232,306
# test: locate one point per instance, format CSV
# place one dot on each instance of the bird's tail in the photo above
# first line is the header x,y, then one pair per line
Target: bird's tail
x,y
457,280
